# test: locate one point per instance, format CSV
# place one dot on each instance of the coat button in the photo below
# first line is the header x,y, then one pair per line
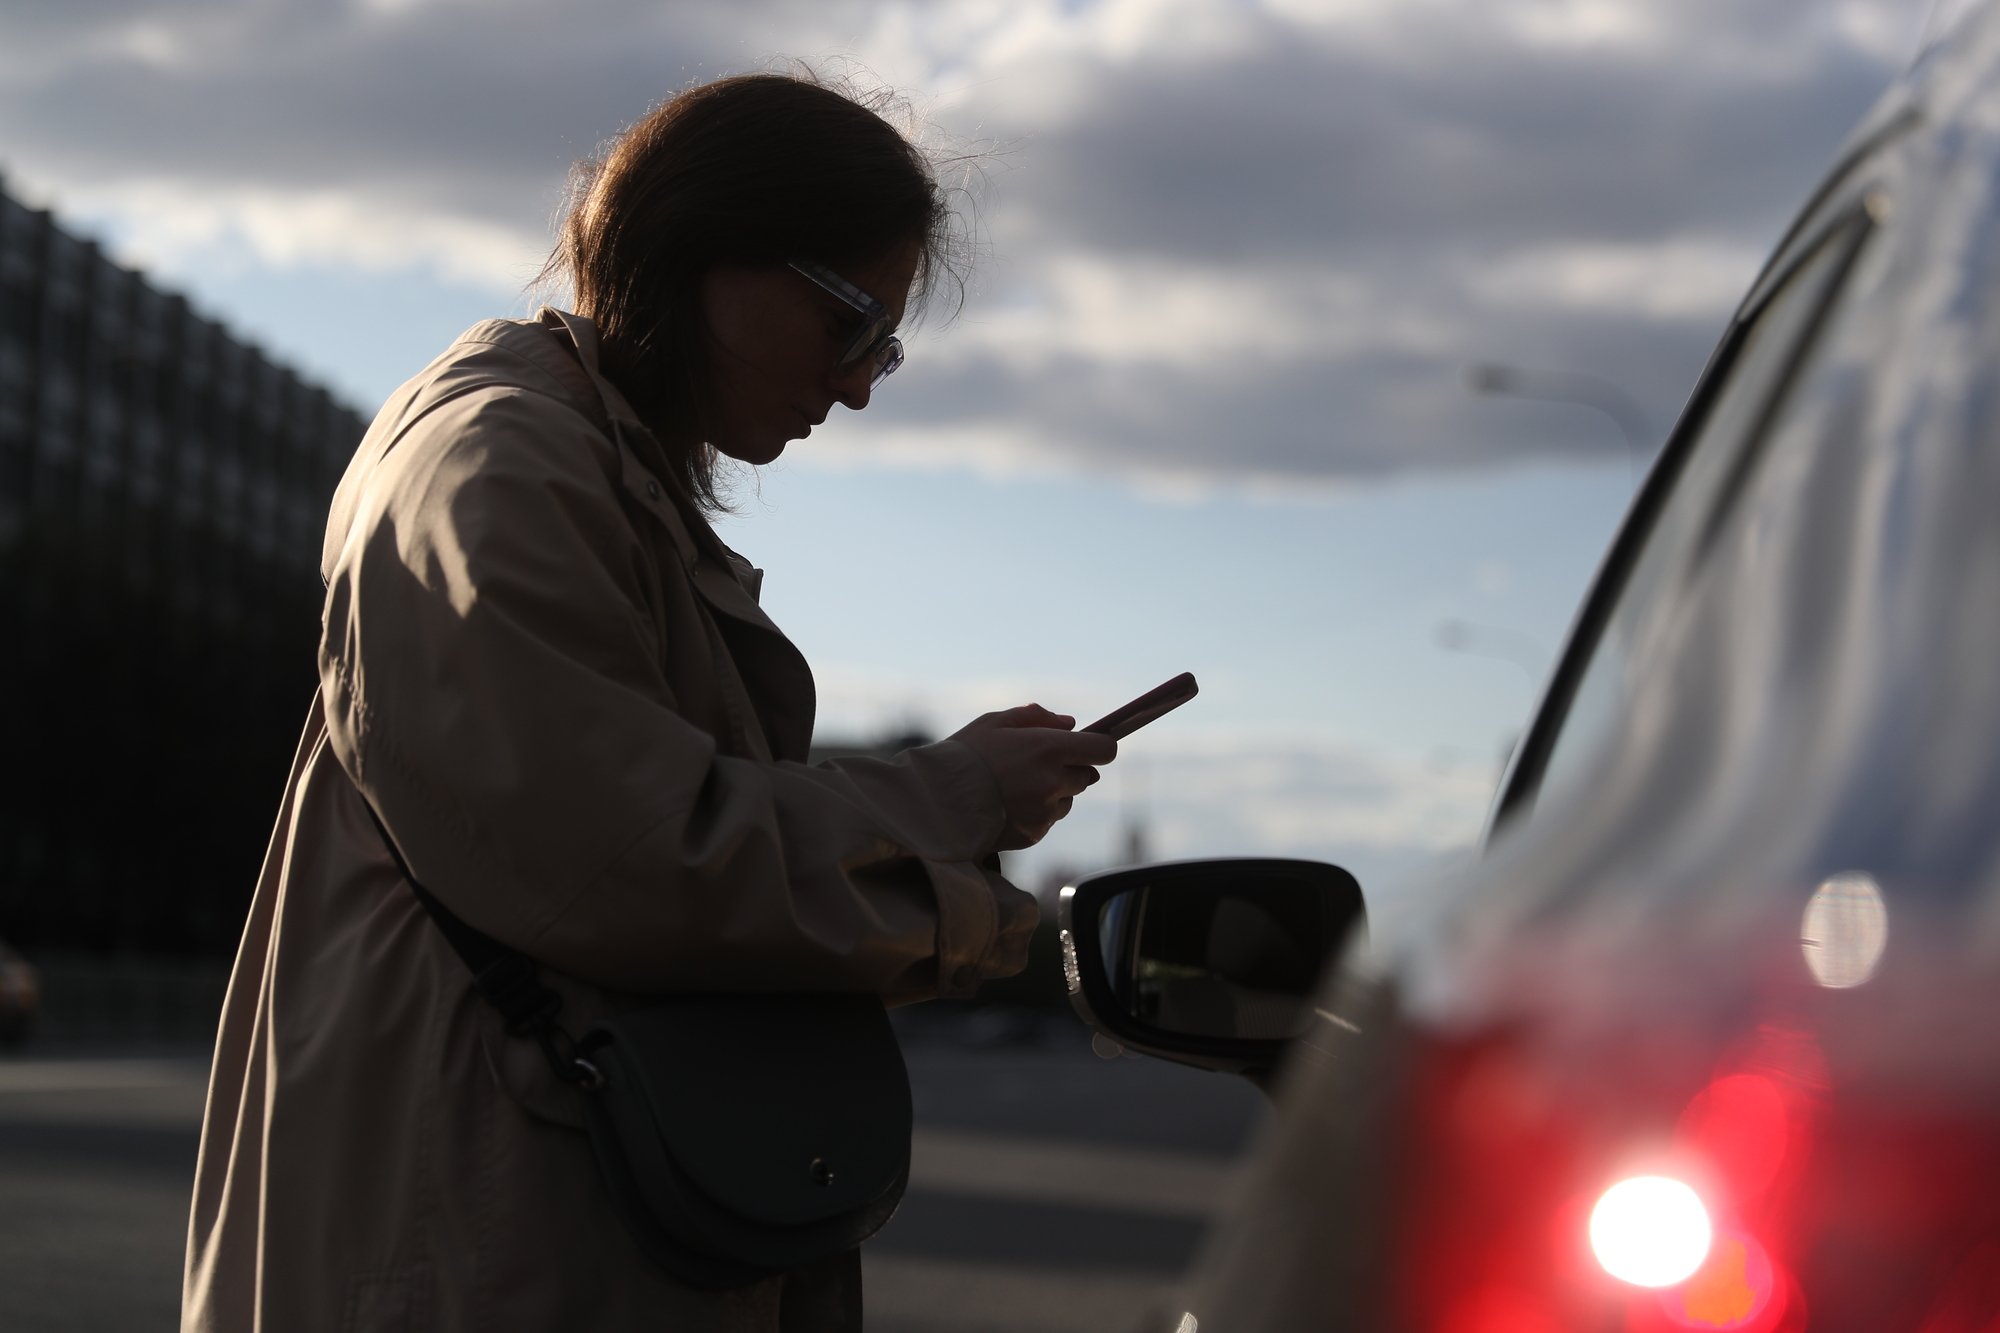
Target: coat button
x,y
822,1174
652,488
963,978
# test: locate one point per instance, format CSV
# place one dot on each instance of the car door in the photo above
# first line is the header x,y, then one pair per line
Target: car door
x,y
1313,1244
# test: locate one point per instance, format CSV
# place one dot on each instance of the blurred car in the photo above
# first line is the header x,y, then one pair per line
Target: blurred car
x,y
1701,1041
20,997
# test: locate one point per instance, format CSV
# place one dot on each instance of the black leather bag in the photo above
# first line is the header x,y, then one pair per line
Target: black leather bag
x,y
738,1135
744,1135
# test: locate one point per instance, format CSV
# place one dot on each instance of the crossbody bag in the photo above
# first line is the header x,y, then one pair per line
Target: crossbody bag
x,y
737,1136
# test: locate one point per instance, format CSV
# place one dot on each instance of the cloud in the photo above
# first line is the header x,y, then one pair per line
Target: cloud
x,y
1314,799
1444,126
1686,278
1384,817
163,222
1206,792
1249,242
1199,793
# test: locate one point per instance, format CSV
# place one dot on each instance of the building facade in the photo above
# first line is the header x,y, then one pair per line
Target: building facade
x,y
163,489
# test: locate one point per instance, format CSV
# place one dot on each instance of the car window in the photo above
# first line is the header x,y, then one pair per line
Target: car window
x,y
1741,408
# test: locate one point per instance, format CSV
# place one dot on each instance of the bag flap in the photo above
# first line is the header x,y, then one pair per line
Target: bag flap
x,y
786,1110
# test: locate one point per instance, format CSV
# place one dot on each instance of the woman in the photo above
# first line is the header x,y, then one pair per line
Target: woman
x,y
552,681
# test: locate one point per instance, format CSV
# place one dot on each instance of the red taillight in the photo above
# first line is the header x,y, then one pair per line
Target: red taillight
x,y
1843,1144
1650,1231
1640,1189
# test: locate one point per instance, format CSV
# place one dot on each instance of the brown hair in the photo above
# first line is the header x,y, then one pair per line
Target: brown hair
x,y
754,169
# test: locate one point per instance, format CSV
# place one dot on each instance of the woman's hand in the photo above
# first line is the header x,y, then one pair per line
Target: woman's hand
x,y
1040,762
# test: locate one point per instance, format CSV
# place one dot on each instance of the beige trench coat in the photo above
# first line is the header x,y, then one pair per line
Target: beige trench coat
x,y
588,742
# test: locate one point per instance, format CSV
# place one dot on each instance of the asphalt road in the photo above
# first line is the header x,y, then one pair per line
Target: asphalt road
x,y
1050,1190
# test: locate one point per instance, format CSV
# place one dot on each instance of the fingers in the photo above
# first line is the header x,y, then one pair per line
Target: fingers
x,y
1060,745
1028,826
1040,763
1052,814
1026,715
1075,778
1091,748
1034,715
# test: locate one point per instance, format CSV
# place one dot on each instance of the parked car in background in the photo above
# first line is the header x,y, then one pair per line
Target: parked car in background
x,y
1705,1038
20,997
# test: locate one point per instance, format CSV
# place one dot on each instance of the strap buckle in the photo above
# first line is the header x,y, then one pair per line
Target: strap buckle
x,y
567,1061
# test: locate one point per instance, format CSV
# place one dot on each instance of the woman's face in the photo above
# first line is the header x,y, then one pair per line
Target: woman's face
x,y
775,337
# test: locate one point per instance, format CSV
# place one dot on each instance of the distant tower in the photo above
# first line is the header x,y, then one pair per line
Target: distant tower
x,y
1134,844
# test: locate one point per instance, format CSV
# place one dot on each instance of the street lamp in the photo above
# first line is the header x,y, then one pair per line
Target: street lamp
x,y
1568,386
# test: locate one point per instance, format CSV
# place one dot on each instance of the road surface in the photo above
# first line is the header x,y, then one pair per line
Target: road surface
x,y
1050,1190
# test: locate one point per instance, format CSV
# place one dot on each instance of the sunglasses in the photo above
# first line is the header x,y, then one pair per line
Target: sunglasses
x,y
875,341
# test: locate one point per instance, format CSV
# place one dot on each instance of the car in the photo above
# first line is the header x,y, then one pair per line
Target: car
x,y
1699,1040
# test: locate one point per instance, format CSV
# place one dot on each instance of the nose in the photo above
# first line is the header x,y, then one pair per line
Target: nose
x,y
850,384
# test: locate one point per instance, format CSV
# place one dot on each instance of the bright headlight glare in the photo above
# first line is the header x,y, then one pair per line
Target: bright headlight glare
x,y
1651,1231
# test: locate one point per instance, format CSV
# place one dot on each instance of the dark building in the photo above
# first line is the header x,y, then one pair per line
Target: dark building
x,y
163,488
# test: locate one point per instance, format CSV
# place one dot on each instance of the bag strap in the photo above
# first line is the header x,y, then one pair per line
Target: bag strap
x,y
509,981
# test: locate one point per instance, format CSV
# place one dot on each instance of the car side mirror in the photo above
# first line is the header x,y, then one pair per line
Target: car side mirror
x,y
1209,963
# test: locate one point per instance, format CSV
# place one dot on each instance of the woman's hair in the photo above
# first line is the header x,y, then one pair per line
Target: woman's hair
x,y
754,169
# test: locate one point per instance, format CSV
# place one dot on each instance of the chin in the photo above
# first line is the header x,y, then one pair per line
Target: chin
x,y
754,452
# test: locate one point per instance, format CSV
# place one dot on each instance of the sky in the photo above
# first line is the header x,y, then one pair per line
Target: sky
x,y
1208,403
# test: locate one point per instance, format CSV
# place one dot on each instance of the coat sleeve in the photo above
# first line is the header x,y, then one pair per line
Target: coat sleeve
x,y
492,683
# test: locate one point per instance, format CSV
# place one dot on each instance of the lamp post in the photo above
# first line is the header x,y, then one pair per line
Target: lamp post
x,y
1569,386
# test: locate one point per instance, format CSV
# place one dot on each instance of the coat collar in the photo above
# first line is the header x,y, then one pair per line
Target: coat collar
x,y
722,578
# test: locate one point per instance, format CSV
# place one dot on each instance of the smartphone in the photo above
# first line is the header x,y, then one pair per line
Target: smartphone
x,y
1158,702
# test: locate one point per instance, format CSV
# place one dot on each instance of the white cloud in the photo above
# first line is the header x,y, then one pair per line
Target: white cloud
x,y
857,700
164,222
1248,242
152,43
995,452
1298,795
1585,24
1680,278
1382,816
1889,32
1201,320
1203,793
1007,453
